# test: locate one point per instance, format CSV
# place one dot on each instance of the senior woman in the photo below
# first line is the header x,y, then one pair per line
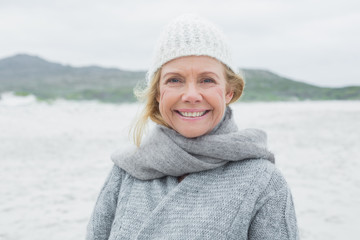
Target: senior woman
x,y
195,176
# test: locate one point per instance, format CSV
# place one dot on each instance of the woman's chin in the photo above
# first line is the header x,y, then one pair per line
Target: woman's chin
x,y
192,133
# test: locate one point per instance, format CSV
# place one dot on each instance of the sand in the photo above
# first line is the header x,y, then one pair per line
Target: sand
x,y
55,157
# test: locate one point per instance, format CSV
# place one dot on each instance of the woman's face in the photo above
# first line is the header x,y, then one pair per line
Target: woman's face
x,y
193,94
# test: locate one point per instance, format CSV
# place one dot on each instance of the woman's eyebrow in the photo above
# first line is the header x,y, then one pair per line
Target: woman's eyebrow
x,y
207,73
179,74
171,73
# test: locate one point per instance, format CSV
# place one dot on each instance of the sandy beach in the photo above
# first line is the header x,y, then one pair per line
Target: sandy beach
x,y
56,156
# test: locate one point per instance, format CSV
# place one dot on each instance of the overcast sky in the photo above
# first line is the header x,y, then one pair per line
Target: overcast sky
x,y
315,41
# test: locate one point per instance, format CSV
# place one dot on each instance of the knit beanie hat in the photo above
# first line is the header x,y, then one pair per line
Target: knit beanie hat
x,y
190,35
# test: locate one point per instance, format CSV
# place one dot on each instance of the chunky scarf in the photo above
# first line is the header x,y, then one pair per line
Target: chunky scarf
x,y
166,152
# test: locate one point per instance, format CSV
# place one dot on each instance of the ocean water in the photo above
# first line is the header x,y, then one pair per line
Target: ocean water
x,y
56,156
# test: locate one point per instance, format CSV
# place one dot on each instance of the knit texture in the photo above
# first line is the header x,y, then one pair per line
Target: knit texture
x,y
243,200
190,35
167,152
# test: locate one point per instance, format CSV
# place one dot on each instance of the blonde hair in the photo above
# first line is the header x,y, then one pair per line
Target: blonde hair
x,y
235,83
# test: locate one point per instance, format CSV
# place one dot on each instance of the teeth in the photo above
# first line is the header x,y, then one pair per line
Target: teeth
x,y
192,114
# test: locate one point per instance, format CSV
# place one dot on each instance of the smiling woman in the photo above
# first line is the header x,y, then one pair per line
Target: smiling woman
x,y
193,94
196,176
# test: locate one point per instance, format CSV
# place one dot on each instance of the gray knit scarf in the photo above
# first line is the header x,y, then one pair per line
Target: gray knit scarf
x,y
166,152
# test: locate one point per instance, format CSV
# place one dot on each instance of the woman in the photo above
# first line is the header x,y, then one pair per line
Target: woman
x,y
196,176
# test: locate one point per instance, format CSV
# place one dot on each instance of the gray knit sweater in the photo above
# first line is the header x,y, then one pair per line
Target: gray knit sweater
x,y
240,200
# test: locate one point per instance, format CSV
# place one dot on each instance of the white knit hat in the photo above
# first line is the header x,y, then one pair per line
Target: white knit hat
x,y
190,35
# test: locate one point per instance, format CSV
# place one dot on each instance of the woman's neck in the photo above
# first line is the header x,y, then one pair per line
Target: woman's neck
x,y
182,177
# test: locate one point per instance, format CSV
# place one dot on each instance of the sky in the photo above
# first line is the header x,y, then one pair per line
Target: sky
x,y
314,41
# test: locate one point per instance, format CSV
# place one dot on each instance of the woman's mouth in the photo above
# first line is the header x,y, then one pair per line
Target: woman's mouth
x,y
192,114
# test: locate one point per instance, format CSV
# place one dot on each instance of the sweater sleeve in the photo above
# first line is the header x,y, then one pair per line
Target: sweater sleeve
x,y
276,218
99,226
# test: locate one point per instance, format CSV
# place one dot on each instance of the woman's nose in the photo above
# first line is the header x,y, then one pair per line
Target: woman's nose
x,y
191,94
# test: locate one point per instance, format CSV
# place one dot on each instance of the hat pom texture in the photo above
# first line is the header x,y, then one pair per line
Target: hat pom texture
x,y
190,35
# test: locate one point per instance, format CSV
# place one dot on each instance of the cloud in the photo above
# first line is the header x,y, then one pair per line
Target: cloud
x,y
314,41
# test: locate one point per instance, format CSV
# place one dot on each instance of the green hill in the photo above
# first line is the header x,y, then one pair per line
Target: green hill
x,y
25,74
262,85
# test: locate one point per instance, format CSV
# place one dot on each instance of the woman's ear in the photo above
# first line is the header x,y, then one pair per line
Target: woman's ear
x,y
229,95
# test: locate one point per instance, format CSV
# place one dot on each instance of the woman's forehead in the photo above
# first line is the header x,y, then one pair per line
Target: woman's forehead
x,y
192,64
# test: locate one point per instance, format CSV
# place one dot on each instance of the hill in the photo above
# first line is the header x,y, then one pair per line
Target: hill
x,y
26,74
262,85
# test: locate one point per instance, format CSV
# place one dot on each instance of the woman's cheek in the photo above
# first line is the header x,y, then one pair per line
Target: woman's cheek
x,y
220,93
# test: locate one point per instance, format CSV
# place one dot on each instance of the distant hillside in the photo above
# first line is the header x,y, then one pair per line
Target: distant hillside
x,y
262,85
25,74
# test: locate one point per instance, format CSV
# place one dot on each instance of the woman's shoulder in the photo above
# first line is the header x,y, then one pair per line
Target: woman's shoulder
x,y
117,171
259,172
250,166
116,174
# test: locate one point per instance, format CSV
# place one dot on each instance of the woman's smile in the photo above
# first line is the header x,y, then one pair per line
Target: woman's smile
x,y
191,114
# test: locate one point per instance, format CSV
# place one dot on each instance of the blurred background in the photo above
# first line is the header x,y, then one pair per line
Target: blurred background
x,y
67,70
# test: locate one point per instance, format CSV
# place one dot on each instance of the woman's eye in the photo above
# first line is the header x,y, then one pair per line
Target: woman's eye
x,y
208,80
173,80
